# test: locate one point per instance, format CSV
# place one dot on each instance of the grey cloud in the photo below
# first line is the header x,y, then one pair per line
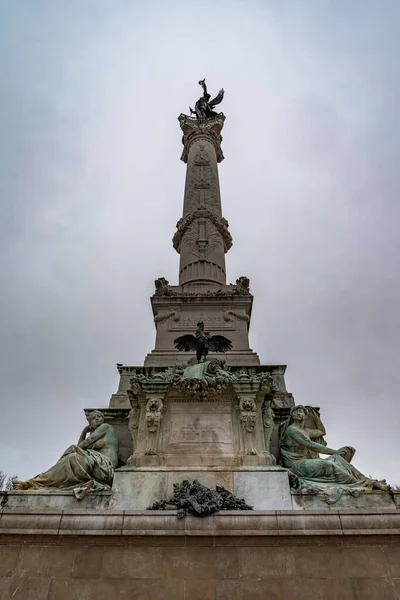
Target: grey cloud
x,y
92,185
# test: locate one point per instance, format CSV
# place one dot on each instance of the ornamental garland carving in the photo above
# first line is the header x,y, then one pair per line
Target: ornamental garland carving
x,y
204,380
199,500
220,223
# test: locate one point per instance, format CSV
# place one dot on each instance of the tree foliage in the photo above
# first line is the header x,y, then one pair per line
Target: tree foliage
x,y
7,481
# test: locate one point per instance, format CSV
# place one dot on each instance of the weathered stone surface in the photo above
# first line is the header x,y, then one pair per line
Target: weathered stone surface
x,y
225,315
41,499
265,490
24,588
199,434
136,490
372,499
84,589
85,522
30,521
8,559
287,555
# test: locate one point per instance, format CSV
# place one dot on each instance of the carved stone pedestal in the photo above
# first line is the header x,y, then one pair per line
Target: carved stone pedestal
x,y
264,488
201,416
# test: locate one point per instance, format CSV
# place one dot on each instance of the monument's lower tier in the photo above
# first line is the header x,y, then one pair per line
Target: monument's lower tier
x,y
135,555
263,488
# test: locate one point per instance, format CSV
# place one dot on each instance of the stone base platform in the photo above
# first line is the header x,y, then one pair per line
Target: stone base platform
x,y
257,555
260,495
264,488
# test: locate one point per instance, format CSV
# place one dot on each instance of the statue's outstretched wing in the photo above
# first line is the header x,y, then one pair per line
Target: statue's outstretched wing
x,y
218,99
219,343
185,343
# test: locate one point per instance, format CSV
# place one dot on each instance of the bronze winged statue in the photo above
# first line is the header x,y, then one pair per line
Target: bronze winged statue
x,y
203,109
202,342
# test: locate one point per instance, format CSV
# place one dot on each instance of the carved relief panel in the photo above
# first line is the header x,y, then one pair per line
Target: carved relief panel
x,y
247,415
154,408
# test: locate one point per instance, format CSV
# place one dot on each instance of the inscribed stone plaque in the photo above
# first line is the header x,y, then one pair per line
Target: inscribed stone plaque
x,y
212,321
201,428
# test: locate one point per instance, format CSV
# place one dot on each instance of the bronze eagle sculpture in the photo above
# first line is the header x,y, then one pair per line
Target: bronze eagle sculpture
x,y
202,342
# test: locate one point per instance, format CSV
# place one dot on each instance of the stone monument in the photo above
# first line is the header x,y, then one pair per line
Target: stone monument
x,y
202,407
202,429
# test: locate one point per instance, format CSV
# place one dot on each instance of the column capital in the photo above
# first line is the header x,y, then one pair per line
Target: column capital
x,y
194,129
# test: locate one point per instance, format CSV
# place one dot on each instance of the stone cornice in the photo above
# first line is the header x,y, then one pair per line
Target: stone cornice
x,y
27,523
110,413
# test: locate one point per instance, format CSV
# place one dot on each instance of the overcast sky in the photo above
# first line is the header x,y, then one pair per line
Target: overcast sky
x,y
91,187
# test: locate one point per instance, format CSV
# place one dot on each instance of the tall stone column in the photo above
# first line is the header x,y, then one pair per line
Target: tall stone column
x,y
202,236
202,240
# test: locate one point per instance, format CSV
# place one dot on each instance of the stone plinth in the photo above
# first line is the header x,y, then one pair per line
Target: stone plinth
x,y
275,555
162,479
224,312
263,488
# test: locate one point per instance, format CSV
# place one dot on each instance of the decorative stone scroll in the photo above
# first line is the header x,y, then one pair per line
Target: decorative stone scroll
x,y
199,500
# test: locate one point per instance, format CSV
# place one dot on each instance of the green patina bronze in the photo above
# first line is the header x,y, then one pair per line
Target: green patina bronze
x,y
85,467
301,442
